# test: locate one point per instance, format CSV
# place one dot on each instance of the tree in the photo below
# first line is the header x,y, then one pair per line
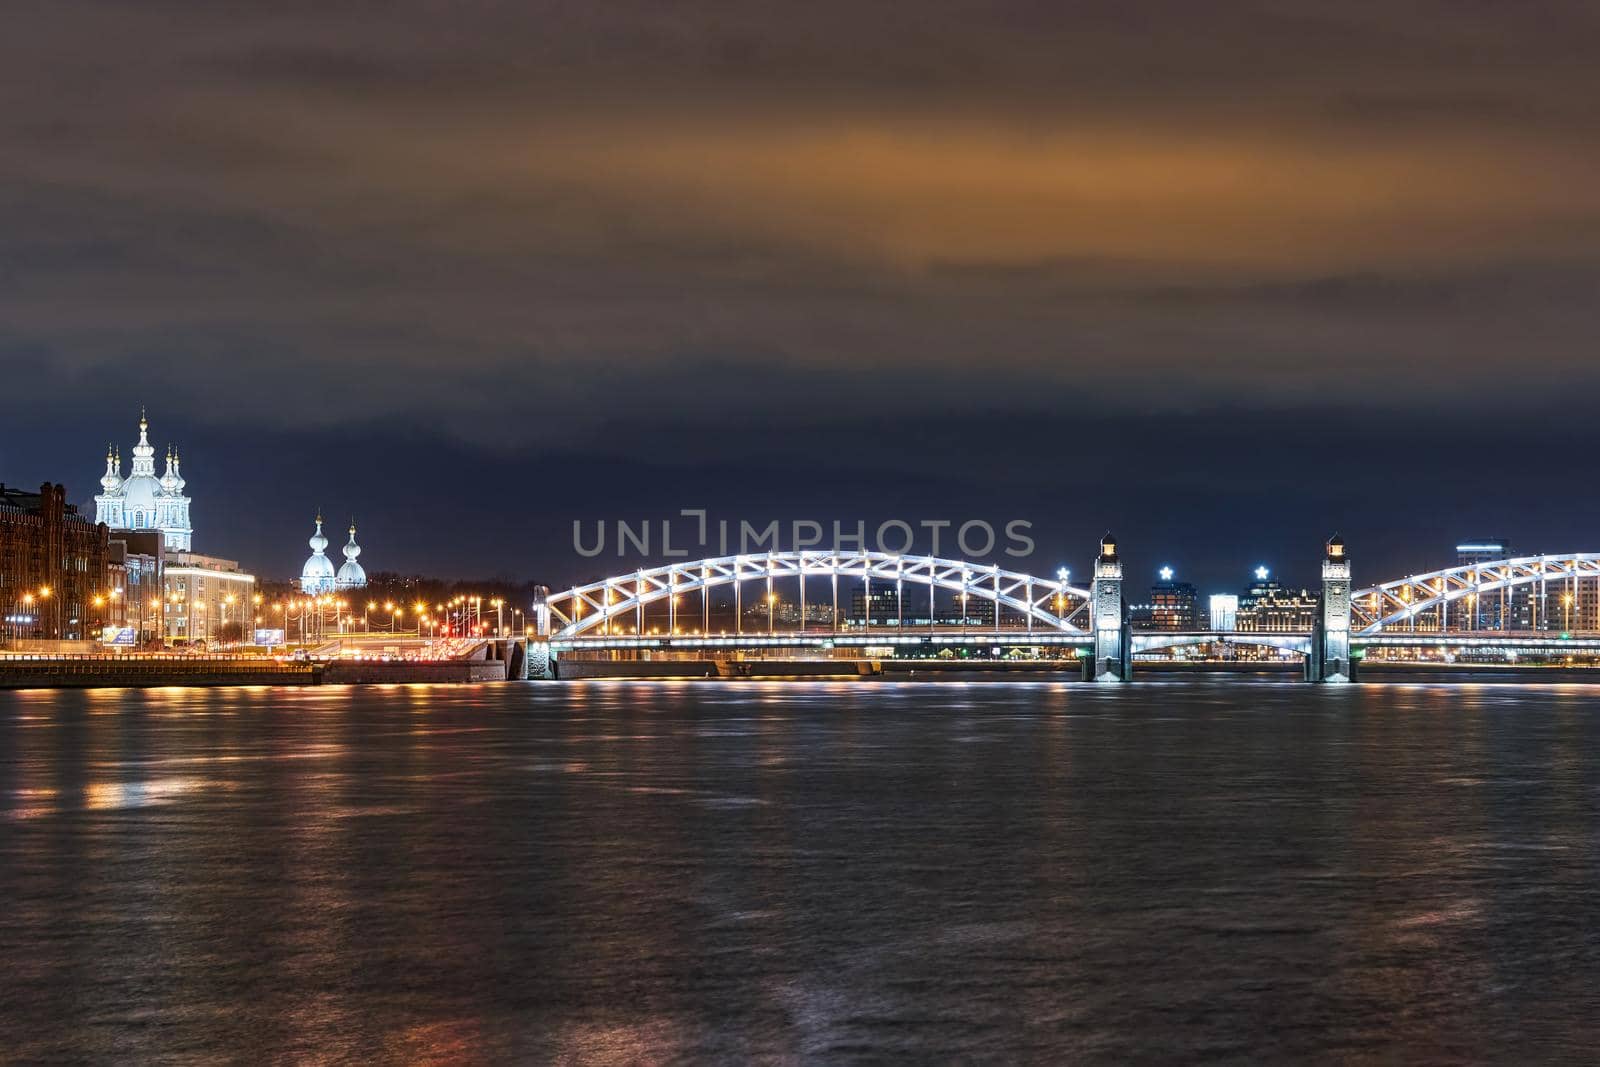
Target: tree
x,y
230,633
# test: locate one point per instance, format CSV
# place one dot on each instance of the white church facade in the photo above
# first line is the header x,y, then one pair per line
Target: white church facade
x,y
141,501
204,599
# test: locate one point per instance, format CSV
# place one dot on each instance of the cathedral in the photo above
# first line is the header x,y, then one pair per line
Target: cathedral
x,y
318,577
142,501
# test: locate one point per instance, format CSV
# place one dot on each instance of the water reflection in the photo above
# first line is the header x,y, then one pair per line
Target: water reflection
x,y
100,796
617,872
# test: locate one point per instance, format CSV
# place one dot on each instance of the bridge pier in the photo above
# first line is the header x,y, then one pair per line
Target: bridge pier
x,y
538,661
1113,648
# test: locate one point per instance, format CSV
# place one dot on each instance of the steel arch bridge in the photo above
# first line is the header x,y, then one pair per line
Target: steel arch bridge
x,y
1049,604
1423,601
1437,613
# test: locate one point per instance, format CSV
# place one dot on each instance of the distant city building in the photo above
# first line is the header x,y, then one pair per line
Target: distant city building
x,y
977,612
1224,612
142,501
1483,550
786,613
1173,605
54,565
138,559
1267,607
885,607
204,595
1523,607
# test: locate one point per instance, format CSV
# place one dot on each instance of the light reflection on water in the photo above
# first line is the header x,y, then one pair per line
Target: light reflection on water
x,y
624,872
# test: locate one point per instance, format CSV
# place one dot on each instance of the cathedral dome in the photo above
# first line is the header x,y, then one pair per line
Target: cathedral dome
x,y
351,575
140,492
317,575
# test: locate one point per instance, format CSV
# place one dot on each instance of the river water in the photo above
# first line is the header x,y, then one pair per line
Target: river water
x,y
619,872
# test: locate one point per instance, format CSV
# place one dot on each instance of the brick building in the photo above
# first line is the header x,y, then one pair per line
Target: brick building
x,y
54,566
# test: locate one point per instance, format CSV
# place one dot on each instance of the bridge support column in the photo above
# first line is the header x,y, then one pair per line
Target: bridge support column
x,y
541,610
1113,651
538,663
1330,640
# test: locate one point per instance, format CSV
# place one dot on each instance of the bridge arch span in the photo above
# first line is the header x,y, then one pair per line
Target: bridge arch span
x,y
580,609
1380,608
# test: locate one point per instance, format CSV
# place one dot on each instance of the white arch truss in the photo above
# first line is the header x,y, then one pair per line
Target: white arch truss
x,y
1378,608
585,607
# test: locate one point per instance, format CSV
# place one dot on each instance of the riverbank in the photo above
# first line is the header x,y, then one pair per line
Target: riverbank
x,y
115,672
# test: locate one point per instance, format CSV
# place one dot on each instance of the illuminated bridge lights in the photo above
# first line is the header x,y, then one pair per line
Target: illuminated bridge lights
x,y
1437,610
1377,608
1017,639
1046,603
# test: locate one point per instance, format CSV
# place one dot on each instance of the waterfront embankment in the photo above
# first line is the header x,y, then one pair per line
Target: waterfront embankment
x,y
118,672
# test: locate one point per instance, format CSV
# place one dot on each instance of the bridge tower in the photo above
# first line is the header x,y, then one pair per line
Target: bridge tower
x,y
1113,651
1330,642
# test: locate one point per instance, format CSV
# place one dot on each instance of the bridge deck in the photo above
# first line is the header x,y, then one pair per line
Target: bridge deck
x,y
1143,640
828,639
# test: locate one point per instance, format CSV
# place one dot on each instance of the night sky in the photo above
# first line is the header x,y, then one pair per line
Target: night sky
x,y
1223,277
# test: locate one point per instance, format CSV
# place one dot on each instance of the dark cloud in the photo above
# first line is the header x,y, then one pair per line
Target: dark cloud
x,y
630,229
